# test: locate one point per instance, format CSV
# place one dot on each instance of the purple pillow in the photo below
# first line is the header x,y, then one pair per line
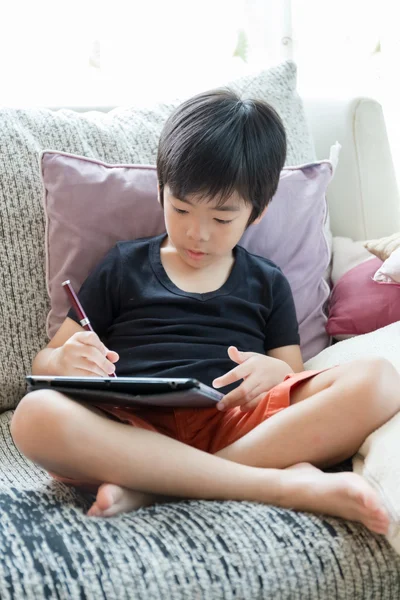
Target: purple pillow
x,y
292,235
90,205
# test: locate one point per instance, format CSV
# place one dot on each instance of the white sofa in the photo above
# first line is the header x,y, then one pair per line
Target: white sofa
x,y
363,198
195,549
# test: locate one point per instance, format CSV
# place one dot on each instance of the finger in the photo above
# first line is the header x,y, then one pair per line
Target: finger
x,y
243,394
82,372
238,356
90,338
236,373
239,372
253,403
234,354
110,355
94,356
94,368
86,368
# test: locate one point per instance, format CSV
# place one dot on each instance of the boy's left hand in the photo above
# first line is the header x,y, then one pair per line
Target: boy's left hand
x,y
259,372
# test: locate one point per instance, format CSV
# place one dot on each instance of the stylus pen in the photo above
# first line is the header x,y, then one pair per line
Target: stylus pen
x,y
77,306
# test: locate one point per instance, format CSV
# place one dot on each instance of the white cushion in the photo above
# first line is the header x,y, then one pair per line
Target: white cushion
x,y
378,458
346,254
384,342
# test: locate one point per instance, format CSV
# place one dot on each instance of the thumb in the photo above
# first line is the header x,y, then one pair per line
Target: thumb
x,y
237,356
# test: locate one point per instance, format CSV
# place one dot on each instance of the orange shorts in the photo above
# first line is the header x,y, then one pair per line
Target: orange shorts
x,y
207,429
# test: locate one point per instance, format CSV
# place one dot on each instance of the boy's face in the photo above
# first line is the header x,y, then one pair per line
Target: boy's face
x,y
202,233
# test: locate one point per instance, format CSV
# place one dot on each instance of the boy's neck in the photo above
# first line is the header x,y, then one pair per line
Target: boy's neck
x,y
169,247
190,278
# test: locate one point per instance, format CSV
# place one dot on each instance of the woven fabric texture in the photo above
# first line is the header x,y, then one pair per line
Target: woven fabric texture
x,y
203,550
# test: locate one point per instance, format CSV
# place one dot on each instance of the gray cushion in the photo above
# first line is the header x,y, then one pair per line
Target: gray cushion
x,y
187,550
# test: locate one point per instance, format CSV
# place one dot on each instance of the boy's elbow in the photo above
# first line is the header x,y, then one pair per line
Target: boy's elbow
x,y
37,363
41,364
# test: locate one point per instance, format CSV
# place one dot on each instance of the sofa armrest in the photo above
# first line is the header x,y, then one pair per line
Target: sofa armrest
x,y
363,196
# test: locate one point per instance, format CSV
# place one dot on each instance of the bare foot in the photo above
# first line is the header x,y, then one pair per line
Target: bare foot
x,y
113,499
344,494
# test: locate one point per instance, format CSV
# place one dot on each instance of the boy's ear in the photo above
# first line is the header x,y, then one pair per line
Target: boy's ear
x,y
158,193
260,217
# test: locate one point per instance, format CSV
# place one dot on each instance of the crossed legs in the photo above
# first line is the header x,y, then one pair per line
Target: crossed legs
x,y
329,418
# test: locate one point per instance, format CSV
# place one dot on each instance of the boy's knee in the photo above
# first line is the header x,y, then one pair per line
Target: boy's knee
x,y
371,376
39,413
377,370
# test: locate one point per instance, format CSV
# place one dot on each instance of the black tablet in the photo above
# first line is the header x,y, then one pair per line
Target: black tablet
x,y
130,391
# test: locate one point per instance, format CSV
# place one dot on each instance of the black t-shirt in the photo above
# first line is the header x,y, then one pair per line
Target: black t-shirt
x,y
160,330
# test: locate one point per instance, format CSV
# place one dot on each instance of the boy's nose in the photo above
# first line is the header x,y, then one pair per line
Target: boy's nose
x,y
198,232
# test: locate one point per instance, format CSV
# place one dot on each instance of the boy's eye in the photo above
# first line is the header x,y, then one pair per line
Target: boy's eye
x,y
185,212
222,222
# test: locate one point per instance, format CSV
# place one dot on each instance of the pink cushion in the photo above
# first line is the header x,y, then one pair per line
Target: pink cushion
x,y
90,205
360,305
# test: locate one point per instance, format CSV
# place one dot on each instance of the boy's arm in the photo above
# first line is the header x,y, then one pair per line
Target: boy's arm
x,y
86,354
74,351
43,363
261,372
291,355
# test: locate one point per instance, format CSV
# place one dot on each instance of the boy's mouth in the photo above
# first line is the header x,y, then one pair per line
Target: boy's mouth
x,y
194,254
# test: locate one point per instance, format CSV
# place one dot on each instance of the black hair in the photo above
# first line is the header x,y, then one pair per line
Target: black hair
x,y
215,144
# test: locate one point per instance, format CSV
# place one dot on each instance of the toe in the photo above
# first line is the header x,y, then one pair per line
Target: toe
x,y
94,511
380,514
107,496
111,512
378,525
378,528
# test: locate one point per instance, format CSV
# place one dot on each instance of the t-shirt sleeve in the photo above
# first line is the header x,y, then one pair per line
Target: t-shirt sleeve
x,y
282,328
100,294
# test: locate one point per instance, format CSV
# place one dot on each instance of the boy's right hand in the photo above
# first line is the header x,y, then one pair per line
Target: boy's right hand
x,y
83,355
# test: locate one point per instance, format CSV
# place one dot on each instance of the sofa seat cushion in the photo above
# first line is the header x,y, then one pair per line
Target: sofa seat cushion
x,y
189,549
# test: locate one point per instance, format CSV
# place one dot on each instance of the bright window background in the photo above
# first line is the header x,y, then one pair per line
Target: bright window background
x,y
91,53
351,47
336,45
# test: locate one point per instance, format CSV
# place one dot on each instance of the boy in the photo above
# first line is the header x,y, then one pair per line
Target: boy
x,y
182,304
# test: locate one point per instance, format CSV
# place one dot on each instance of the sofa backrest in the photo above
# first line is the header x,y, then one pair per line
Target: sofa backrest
x,y
363,198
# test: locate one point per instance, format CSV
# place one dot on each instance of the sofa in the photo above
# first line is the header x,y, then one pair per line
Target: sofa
x,y
189,549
